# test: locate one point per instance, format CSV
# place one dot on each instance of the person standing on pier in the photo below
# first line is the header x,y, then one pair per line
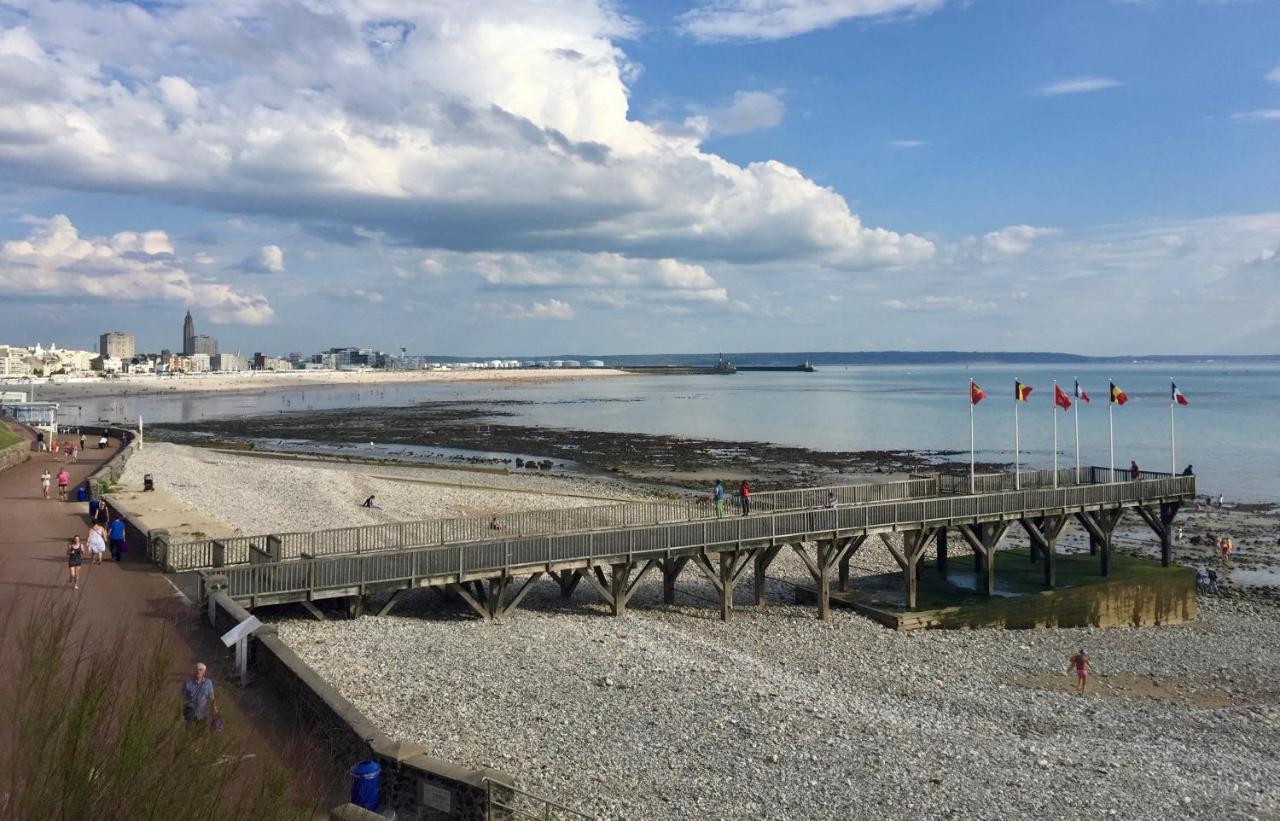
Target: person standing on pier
x,y
745,493
1134,472
1080,663
717,496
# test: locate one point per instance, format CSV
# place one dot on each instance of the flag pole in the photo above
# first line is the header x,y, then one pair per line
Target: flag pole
x,y
1111,434
1017,451
1053,408
1173,438
1077,420
973,457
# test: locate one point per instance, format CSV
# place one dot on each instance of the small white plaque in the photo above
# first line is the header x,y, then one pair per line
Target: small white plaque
x,y
437,798
241,630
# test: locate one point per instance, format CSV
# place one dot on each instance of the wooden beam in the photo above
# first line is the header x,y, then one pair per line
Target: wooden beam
x,y
704,564
392,602
568,580
597,580
671,569
798,547
762,561
465,595
313,610
520,594
634,583
941,551
897,554
727,561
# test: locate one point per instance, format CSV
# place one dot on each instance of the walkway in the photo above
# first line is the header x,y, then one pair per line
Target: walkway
x,y
33,561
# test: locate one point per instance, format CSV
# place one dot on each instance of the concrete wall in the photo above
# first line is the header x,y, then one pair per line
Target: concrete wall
x,y
1168,597
417,785
18,452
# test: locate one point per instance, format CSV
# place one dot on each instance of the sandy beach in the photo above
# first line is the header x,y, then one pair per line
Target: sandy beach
x,y
276,380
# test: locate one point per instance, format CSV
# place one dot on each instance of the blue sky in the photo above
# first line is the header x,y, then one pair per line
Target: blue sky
x,y
534,177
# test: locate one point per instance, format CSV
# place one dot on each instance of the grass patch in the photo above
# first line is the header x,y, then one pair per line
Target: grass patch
x,y
91,728
8,437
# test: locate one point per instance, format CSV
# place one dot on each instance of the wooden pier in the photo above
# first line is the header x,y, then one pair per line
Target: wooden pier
x,y
494,575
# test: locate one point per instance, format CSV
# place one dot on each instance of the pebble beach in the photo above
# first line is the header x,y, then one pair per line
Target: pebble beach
x,y
670,713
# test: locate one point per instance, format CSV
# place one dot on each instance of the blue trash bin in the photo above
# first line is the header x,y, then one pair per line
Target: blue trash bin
x,y
82,494
366,783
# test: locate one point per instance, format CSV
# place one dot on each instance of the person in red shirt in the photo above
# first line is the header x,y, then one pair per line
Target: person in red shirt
x,y
745,493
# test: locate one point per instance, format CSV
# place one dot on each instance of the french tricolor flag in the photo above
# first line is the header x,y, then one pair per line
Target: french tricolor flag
x,y
1176,395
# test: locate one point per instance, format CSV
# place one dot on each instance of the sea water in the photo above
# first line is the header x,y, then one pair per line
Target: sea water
x,y
1228,429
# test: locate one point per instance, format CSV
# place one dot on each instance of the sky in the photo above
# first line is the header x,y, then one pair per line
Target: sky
x,y
524,177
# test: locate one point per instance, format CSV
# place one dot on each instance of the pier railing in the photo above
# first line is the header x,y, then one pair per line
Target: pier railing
x,y
235,550
1030,479
284,581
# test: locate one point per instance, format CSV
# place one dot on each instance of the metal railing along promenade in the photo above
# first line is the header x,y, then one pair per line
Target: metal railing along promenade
x,y
349,575
1029,479
234,550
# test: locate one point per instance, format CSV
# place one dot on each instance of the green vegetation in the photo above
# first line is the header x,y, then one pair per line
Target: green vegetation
x,y
92,729
8,437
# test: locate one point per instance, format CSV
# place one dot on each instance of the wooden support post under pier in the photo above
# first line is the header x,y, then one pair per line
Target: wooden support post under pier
x,y
1160,520
671,569
941,550
763,558
1101,524
1043,532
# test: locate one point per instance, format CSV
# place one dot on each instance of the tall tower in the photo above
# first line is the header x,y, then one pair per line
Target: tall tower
x,y
188,335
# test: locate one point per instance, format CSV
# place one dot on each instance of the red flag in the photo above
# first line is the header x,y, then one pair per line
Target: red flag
x,y
1021,391
976,394
1080,394
1060,397
1177,396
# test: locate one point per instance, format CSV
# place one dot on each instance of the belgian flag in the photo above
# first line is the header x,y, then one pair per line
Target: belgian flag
x,y
1118,397
1020,391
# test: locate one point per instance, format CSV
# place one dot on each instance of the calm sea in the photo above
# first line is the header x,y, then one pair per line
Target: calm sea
x,y
1228,431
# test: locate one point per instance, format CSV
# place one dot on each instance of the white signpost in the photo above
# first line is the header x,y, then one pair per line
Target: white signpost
x,y
239,636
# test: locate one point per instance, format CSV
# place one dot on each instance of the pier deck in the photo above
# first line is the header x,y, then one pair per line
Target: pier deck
x,y
493,576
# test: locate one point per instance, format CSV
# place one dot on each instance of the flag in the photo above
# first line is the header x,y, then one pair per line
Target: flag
x,y
1060,398
976,394
1176,395
1081,396
1118,397
1020,391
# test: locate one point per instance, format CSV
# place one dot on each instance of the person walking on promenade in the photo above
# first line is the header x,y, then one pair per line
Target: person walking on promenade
x,y
75,557
717,496
81,440
75,454
64,479
197,697
1080,663
102,442
45,478
744,492
103,515
97,542
116,539
1134,472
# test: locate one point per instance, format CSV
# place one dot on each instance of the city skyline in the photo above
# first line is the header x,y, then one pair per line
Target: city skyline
x,y
683,176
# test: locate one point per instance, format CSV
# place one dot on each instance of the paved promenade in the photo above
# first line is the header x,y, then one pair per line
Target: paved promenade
x,y
33,564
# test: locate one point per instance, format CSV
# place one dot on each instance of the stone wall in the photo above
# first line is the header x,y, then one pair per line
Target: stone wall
x,y
18,452
417,785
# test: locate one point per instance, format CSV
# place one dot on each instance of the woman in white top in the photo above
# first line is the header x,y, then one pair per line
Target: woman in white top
x,y
97,543
45,478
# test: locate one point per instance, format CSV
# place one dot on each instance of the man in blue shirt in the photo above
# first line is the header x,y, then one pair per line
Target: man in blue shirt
x,y
116,535
197,696
717,495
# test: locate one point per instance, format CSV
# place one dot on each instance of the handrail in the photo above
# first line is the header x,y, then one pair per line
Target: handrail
x,y
234,550
543,809
641,543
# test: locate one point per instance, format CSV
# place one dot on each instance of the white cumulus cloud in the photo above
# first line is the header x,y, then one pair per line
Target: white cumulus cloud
x,y
54,260
268,260
491,125
747,111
